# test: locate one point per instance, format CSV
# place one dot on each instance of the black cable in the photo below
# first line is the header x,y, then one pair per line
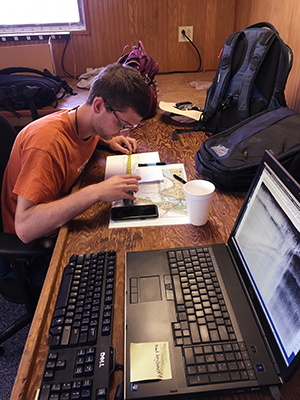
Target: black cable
x,y
119,395
160,73
184,72
119,367
62,62
275,393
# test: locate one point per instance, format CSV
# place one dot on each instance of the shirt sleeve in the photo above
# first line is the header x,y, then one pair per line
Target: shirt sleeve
x,y
41,177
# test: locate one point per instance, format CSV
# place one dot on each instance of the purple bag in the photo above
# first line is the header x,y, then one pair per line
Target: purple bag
x,y
147,67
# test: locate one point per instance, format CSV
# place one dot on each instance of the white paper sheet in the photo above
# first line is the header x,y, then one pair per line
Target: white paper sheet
x,y
117,165
170,107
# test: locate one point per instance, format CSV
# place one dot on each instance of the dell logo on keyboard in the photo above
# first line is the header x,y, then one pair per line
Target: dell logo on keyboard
x,y
102,359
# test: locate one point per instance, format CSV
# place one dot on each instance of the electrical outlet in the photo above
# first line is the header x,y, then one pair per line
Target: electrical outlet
x,y
188,32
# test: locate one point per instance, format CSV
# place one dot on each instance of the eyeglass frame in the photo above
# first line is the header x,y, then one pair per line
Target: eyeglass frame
x,y
124,128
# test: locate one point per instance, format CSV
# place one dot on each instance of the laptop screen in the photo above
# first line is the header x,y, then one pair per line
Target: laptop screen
x,y
267,240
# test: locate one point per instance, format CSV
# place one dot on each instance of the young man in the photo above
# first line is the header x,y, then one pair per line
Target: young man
x,y
50,153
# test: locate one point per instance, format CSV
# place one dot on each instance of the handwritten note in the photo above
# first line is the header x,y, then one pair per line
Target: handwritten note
x,y
149,361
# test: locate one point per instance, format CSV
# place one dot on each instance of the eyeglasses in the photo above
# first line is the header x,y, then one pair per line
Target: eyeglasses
x,y
124,128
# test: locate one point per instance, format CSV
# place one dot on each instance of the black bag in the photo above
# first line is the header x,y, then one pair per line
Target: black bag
x,y
251,77
34,91
230,158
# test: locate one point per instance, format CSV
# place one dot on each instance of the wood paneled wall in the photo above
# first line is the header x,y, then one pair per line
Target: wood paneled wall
x,y
115,23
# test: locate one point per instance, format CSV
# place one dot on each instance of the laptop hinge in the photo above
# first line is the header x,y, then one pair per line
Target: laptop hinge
x,y
275,365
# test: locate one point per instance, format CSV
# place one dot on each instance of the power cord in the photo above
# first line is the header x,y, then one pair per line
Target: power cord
x,y
62,61
199,56
119,395
275,393
160,73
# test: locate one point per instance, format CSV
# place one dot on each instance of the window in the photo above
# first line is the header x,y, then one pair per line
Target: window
x,y
41,16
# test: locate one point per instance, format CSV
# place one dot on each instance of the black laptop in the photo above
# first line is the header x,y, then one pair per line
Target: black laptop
x,y
221,318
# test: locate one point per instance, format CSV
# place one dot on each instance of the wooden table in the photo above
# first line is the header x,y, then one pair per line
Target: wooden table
x,y
89,233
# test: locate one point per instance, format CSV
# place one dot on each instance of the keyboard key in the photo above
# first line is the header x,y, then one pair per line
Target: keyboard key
x,y
219,377
212,368
66,335
204,333
191,370
223,332
198,380
194,333
178,291
214,335
189,356
235,376
101,394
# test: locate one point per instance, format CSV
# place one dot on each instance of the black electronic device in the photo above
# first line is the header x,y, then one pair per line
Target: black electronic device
x,y
81,358
222,317
134,212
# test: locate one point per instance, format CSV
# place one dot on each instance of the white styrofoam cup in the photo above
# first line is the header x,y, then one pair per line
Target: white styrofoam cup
x,y
198,195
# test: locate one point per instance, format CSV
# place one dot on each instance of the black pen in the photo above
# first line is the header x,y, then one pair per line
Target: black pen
x,y
152,164
179,179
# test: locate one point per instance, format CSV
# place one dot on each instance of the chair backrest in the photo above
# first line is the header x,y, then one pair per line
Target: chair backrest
x,y
7,138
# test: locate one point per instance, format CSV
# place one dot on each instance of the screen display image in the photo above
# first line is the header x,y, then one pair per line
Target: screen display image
x,y
268,241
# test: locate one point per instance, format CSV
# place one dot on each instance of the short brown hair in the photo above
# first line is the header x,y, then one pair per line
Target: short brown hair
x,y
122,87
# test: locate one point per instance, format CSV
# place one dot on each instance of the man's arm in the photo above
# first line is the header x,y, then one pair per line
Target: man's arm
x,y
33,221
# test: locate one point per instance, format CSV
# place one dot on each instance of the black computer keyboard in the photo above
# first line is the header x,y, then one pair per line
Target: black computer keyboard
x,y
203,328
81,357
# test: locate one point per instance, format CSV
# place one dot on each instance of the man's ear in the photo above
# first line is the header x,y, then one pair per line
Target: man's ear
x,y
98,104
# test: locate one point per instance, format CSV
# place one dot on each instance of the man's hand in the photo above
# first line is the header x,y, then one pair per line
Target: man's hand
x,y
118,187
117,143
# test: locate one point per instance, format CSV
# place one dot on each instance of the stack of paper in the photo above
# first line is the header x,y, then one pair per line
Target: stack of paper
x,y
117,165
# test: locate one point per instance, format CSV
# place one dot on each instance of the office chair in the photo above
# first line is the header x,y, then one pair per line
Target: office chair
x,y
18,290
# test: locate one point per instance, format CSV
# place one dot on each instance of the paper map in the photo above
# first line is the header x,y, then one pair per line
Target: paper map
x,y
168,195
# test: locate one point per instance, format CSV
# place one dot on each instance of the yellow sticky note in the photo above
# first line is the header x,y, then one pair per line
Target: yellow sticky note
x,y
150,361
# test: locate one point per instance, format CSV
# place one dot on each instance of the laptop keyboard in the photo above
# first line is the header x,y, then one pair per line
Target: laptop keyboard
x,y
80,357
203,327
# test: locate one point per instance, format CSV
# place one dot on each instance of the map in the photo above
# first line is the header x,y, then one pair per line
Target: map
x,y
168,195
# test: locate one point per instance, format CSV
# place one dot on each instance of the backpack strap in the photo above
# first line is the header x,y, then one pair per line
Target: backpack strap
x,y
256,123
284,68
222,76
141,47
19,70
263,43
264,25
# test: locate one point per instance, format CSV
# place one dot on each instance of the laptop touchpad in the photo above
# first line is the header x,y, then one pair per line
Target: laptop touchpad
x,y
150,289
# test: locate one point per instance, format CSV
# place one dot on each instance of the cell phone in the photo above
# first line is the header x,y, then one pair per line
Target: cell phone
x,y
134,212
